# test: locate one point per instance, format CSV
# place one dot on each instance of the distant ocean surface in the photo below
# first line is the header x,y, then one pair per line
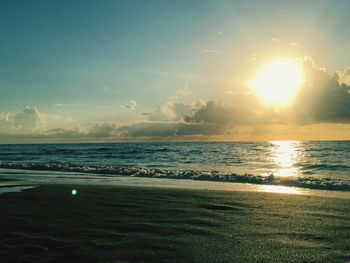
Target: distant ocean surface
x,y
319,165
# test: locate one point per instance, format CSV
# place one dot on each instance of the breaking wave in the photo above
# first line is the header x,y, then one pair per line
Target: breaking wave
x,y
212,175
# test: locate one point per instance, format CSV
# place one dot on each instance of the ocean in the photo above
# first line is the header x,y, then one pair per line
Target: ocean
x,y
314,164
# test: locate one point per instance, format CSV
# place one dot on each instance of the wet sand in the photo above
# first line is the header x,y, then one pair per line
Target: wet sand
x,y
136,224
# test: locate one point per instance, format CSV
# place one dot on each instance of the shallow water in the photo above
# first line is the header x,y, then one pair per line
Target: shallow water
x,y
14,189
321,165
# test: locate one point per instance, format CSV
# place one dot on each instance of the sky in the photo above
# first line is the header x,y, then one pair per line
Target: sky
x,y
90,71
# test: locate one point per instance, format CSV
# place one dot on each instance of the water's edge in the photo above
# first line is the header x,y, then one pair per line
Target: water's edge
x,y
217,176
33,179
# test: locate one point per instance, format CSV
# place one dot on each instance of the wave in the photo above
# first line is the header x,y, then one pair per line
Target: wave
x,y
213,175
327,167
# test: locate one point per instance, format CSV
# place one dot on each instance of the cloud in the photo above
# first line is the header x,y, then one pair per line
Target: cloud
x,y
323,100
197,118
216,113
185,91
63,133
169,129
59,105
344,76
131,105
104,129
29,119
323,97
212,51
6,122
100,130
173,110
150,129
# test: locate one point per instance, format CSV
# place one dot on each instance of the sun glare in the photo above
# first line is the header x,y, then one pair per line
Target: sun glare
x,y
278,82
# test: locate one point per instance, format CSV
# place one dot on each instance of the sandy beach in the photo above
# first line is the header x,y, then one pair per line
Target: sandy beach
x,y
136,224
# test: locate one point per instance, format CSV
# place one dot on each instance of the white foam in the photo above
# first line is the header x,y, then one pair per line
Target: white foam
x,y
38,178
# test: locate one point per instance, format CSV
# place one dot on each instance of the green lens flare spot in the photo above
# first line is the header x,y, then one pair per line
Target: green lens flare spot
x,y
74,192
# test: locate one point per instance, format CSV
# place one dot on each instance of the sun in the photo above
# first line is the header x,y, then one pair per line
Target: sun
x,y
278,81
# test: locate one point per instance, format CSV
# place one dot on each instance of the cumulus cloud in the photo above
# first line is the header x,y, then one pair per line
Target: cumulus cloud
x,y
172,110
131,105
217,113
6,122
323,97
30,123
29,119
198,118
344,76
185,91
104,129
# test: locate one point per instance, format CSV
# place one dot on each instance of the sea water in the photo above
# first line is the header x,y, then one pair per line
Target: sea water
x,y
314,164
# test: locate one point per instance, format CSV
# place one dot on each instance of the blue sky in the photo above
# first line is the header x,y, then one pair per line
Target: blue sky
x,y
83,61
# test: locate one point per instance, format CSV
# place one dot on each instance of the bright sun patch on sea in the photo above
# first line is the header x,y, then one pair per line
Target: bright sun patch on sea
x,y
278,81
280,189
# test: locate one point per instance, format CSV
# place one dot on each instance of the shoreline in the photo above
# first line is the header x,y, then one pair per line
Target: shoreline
x,y
29,177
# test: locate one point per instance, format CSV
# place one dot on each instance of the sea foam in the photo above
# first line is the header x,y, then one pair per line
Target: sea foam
x,y
324,183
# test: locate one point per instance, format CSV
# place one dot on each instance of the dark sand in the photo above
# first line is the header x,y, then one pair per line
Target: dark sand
x,y
120,224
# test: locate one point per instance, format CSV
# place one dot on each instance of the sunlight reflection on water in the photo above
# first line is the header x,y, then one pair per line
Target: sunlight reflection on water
x,y
285,155
280,189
